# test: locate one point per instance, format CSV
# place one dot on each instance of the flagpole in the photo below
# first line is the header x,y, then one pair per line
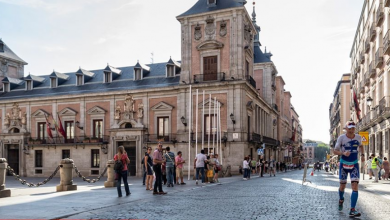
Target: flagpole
x,y
203,121
214,125
189,131
196,125
209,127
217,130
220,133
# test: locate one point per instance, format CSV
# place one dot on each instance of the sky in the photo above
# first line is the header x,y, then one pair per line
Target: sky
x,y
310,41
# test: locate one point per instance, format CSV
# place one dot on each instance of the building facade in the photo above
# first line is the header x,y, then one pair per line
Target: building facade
x,y
370,80
340,108
216,98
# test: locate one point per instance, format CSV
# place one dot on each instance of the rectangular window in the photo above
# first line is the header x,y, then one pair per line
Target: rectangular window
x,y
69,130
41,130
98,128
107,77
163,128
80,80
53,82
6,87
137,74
210,68
95,158
170,71
38,158
210,128
65,154
29,85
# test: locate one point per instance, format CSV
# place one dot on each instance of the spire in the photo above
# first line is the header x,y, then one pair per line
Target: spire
x,y
258,29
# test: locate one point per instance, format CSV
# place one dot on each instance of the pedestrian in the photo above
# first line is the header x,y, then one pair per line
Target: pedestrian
x,y
253,165
245,165
210,168
122,156
271,167
262,166
348,146
375,167
258,167
179,168
277,166
386,167
199,163
217,168
379,167
369,167
266,167
149,169
249,169
143,169
169,165
158,160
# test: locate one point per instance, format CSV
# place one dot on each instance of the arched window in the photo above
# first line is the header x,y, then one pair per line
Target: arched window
x,y
14,130
128,125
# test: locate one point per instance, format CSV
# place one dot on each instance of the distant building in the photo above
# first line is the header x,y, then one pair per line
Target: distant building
x,y
308,150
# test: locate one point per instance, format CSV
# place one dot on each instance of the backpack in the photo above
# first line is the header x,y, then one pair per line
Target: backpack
x,y
118,166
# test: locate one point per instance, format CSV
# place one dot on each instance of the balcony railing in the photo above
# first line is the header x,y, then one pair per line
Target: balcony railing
x,y
384,107
209,77
361,88
275,107
251,81
372,33
155,138
367,46
372,70
367,78
68,141
379,57
380,15
362,58
255,138
357,68
386,43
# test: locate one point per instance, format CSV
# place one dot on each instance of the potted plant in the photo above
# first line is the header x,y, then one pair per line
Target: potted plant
x,y
94,140
86,140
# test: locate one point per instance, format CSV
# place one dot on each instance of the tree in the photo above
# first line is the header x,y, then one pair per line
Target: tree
x,y
320,152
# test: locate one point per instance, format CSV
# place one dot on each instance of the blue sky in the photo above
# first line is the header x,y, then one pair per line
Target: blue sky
x,y
310,40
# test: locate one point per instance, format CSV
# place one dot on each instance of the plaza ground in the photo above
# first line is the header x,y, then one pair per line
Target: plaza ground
x,y
280,197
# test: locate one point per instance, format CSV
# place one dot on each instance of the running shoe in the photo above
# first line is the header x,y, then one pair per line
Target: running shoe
x,y
341,202
197,182
354,213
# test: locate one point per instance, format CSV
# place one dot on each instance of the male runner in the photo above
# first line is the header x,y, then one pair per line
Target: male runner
x,y
348,147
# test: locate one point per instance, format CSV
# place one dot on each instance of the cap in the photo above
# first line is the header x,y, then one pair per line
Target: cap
x,y
350,124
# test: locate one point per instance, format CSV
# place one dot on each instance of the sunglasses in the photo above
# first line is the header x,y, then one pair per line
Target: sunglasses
x,y
351,123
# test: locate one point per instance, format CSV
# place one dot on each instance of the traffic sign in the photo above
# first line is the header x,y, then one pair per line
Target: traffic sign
x,y
365,137
260,151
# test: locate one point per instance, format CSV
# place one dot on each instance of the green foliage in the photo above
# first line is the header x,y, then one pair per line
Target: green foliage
x,y
321,151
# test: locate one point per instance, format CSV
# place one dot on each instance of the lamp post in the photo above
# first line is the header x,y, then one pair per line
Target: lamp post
x,y
233,120
184,121
369,102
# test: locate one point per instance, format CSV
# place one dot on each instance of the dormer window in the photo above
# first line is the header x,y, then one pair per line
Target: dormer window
x,y
1,46
170,71
6,87
29,85
211,3
107,77
137,74
79,80
53,83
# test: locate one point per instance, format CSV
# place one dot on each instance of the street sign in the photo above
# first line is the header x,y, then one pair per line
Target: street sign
x,y
365,137
260,152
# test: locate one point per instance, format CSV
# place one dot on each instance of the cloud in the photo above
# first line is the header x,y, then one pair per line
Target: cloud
x,y
101,40
54,48
123,6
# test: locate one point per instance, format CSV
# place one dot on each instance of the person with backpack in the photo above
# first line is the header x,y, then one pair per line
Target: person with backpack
x,y
158,160
375,167
169,165
147,161
120,167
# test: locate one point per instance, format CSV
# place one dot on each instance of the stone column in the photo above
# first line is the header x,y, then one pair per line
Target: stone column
x,y
3,168
66,171
110,175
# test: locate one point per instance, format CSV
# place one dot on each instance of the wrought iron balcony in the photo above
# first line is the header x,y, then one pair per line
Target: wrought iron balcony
x,y
367,46
386,43
275,107
155,138
255,138
367,78
362,58
361,88
211,77
380,14
372,70
251,81
384,107
47,141
379,57
372,33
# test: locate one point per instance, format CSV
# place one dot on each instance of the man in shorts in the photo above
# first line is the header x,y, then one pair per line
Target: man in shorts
x,y
348,147
179,168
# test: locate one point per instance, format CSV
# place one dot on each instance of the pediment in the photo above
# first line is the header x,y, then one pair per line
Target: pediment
x,y
39,114
207,103
162,106
96,111
67,112
209,45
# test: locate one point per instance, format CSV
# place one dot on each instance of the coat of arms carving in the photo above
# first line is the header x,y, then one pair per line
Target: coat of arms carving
x,y
223,29
210,26
198,32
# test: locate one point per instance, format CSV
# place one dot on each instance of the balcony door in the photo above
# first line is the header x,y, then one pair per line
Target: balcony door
x,y
163,128
210,68
69,130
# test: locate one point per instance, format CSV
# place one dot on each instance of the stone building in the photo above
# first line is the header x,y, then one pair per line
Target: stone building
x,y
370,81
339,110
143,104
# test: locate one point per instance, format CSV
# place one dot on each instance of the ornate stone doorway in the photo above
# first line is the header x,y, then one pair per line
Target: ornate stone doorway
x,y
12,156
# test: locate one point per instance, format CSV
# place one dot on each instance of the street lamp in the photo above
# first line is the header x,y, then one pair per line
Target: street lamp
x,y
369,102
183,120
232,118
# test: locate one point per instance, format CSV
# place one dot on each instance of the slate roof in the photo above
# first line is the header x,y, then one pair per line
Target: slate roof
x,y
202,7
35,78
260,57
84,72
155,78
9,54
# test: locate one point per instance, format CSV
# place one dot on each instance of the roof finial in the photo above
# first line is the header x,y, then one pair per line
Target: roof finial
x,y
254,12
265,50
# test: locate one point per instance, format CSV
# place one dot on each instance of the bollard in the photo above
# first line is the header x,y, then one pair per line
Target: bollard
x,y
110,175
3,169
66,171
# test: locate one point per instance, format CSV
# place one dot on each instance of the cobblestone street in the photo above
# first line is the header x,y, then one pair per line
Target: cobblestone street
x,y
280,197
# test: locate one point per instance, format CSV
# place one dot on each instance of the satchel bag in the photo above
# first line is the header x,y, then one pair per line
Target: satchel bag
x,y
118,166
210,173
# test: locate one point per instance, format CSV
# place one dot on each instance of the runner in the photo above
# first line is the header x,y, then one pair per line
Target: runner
x,y
348,145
